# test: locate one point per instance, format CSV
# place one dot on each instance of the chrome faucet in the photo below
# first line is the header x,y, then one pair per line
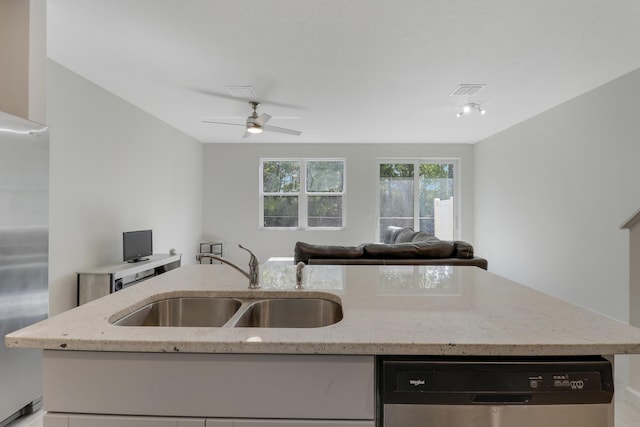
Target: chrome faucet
x,y
254,266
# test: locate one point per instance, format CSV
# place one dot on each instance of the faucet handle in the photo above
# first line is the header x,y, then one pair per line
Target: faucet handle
x,y
254,265
253,261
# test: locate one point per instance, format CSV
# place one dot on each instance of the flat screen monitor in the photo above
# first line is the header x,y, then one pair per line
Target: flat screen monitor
x,y
136,245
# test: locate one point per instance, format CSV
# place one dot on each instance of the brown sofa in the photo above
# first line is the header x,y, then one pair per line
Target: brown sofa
x,y
402,246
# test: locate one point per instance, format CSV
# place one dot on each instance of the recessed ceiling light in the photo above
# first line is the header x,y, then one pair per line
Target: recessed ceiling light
x,y
241,91
467,89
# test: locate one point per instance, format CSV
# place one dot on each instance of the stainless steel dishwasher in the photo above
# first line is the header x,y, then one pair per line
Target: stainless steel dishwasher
x,y
495,392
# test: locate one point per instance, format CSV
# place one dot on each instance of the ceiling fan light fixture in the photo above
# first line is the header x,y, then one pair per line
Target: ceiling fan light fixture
x,y
253,128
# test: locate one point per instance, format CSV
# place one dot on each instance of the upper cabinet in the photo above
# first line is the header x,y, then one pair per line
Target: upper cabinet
x,y
22,58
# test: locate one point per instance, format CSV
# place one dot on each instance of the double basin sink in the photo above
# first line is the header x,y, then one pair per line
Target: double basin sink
x,y
235,312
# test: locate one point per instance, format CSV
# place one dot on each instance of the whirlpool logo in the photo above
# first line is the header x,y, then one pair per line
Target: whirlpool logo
x,y
576,385
416,382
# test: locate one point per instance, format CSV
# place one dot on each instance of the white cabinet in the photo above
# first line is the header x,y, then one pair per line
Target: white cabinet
x,y
287,423
246,390
76,420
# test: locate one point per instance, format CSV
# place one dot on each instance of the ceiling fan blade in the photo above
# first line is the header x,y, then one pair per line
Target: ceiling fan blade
x,y
224,123
224,118
247,134
281,130
223,95
262,119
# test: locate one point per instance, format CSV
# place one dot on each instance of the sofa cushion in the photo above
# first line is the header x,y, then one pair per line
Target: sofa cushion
x,y
391,233
422,236
305,251
404,236
427,249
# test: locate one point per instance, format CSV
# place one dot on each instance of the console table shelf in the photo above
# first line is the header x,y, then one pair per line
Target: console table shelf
x,y
101,281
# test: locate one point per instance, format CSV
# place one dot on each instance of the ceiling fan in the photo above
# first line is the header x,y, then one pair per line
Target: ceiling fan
x,y
257,123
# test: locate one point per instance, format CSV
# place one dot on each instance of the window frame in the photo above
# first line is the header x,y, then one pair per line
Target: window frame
x,y
457,188
302,195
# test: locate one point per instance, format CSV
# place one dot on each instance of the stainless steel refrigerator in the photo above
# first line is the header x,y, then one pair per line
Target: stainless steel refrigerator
x,y
24,243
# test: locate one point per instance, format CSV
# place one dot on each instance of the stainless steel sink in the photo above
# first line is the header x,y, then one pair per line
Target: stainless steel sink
x,y
231,312
194,312
290,313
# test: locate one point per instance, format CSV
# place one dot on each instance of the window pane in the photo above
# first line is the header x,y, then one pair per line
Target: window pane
x,y
325,211
427,225
281,177
325,177
435,182
396,196
396,190
280,211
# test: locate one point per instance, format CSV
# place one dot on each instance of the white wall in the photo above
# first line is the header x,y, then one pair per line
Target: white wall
x,y
552,192
114,168
231,187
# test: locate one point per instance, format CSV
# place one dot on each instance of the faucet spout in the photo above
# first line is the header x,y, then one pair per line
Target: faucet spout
x,y
254,266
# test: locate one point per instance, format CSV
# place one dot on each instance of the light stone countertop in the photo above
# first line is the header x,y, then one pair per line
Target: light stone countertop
x,y
428,310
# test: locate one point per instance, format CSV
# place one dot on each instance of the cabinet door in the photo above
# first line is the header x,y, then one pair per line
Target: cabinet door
x,y
74,420
286,423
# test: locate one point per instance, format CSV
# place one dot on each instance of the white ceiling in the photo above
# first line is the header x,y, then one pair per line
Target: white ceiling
x,y
346,70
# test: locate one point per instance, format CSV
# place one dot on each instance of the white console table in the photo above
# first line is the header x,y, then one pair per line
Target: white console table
x,y
101,281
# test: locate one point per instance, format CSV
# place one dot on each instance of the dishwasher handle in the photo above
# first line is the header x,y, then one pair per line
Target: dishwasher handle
x,y
501,399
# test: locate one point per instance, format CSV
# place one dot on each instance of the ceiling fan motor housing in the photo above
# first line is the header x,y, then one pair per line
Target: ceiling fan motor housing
x,y
252,126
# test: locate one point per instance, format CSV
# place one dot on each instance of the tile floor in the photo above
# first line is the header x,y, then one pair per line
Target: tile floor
x,y
627,415
33,420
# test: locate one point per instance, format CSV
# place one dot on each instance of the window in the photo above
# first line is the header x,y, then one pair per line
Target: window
x,y
302,193
423,201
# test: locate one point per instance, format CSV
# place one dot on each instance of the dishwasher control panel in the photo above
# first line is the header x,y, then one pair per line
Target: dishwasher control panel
x,y
504,380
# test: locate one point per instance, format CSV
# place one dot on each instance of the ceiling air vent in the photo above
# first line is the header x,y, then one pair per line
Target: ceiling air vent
x,y
467,89
241,91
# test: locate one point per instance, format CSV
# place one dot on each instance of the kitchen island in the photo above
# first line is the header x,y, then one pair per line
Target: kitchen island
x,y
325,376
